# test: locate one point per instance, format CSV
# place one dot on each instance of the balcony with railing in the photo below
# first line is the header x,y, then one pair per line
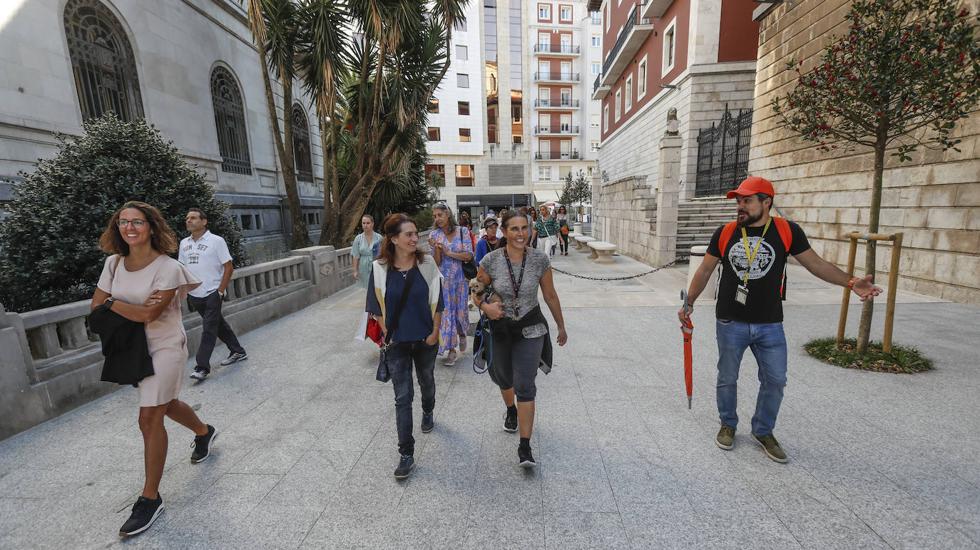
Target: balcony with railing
x,y
599,90
557,49
560,130
634,32
557,155
543,104
557,77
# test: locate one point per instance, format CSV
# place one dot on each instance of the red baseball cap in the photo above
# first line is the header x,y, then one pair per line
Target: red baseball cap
x,y
751,186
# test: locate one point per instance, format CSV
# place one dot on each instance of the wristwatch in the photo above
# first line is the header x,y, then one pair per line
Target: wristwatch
x,y
108,302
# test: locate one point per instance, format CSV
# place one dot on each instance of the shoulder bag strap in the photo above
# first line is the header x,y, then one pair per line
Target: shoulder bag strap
x,y
396,314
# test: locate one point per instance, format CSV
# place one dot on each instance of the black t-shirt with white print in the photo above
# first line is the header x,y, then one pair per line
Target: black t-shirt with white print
x,y
764,304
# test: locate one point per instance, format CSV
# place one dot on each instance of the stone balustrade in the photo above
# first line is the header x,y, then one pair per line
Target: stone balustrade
x,y
51,362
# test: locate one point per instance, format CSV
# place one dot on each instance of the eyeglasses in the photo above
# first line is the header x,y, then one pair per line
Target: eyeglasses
x,y
135,223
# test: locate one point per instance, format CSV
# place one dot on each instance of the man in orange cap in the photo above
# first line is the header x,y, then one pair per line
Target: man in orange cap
x,y
749,310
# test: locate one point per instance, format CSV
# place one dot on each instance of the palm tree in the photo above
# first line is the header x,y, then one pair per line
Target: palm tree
x,y
275,26
372,94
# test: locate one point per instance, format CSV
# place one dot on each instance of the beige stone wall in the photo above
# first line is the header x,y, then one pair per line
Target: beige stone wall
x,y
934,199
625,214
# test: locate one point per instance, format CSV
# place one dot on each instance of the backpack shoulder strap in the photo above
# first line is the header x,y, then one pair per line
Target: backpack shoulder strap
x,y
785,232
726,235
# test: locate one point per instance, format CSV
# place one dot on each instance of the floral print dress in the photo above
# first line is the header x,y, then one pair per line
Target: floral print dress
x,y
455,293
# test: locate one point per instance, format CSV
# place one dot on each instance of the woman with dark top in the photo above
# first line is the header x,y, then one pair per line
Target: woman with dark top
x,y
451,245
520,331
563,229
402,266
141,283
489,242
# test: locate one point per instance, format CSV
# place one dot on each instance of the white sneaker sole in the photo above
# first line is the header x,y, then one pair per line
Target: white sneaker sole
x,y
527,464
145,527
226,362
722,447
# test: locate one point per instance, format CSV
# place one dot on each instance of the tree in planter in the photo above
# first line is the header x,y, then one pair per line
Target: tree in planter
x,y
901,78
49,251
577,190
277,31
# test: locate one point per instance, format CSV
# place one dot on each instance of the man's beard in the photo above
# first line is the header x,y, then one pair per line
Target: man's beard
x,y
750,219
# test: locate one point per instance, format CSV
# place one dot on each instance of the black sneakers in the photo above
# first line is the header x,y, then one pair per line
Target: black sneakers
x,y
427,422
234,358
199,373
510,420
145,512
525,458
405,466
202,445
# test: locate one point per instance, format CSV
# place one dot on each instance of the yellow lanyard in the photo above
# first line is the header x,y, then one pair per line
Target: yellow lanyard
x,y
751,254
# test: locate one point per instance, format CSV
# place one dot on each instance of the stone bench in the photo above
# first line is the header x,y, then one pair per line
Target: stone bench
x,y
581,241
602,251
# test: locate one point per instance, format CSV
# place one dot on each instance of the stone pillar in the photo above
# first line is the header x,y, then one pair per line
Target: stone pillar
x,y
664,242
596,202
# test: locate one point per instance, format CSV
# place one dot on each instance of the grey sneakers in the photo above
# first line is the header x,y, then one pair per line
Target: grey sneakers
x,y
725,438
772,448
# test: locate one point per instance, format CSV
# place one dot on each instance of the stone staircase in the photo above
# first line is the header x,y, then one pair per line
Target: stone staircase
x,y
697,220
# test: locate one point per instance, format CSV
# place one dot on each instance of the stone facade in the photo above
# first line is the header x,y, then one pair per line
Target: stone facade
x,y
625,214
176,45
700,99
933,199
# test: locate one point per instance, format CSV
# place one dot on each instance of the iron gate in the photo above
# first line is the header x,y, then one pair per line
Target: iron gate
x,y
723,154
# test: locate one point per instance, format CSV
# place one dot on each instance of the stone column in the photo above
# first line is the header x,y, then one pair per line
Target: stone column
x,y
664,242
596,202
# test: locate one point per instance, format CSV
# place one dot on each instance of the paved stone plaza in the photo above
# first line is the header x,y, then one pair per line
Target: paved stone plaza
x,y
307,444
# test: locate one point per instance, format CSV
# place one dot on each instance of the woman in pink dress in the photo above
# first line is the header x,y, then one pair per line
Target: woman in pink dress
x,y
143,284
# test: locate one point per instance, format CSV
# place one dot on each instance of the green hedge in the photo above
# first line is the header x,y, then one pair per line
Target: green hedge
x,y
49,251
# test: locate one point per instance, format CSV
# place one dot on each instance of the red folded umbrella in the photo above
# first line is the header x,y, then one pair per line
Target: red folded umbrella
x,y
687,330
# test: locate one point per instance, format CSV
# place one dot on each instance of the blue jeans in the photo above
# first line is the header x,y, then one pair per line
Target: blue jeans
x,y
401,358
768,345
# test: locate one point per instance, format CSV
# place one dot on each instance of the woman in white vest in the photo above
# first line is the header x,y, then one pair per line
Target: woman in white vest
x,y
403,267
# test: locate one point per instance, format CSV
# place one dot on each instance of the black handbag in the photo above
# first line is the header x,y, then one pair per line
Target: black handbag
x,y
383,374
469,266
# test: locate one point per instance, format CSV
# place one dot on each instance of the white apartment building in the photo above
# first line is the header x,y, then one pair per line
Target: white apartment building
x,y
477,143
564,57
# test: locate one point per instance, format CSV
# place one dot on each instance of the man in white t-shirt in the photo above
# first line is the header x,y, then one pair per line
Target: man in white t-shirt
x,y
206,256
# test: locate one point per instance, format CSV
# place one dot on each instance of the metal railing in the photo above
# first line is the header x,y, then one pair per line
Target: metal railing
x,y
556,155
563,129
557,48
564,103
632,20
559,77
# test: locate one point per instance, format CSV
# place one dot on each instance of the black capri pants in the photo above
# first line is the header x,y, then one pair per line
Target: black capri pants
x,y
515,361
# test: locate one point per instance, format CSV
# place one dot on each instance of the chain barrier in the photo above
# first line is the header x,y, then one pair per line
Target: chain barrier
x,y
623,278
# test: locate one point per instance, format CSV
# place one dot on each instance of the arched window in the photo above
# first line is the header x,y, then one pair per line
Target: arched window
x,y
102,61
229,118
302,157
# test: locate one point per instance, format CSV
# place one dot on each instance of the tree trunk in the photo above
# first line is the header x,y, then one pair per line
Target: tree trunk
x,y
329,181
867,311
300,236
284,148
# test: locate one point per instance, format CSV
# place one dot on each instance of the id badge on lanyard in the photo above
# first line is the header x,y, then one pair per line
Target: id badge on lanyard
x,y
742,292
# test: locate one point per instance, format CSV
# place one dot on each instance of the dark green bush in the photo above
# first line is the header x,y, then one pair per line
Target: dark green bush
x,y
49,251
